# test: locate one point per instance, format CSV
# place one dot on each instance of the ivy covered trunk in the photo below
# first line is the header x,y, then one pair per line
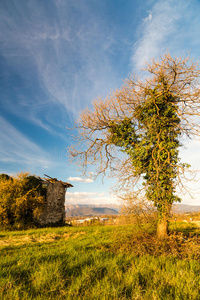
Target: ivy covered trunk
x,y
153,145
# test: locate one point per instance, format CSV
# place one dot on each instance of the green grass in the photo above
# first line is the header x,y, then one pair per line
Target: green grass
x,y
100,262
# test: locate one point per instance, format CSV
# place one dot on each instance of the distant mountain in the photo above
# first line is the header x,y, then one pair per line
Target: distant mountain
x,y
112,206
183,208
88,210
111,209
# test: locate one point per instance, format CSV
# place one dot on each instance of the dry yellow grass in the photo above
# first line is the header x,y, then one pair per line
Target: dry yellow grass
x,y
31,239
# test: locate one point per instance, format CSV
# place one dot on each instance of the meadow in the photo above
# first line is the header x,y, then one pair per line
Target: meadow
x,y
100,262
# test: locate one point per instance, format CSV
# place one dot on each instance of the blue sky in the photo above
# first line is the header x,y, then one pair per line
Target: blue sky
x,y
58,55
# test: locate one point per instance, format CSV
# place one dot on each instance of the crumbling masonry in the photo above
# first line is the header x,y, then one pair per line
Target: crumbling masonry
x,y
54,212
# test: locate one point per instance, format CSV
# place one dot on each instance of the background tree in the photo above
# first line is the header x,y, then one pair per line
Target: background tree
x,y
4,177
22,198
146,120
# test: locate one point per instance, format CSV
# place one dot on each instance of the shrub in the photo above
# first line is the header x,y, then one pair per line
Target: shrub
x,y
22,199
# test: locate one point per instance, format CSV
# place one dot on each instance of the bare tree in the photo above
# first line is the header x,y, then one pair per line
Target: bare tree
x,y
135,133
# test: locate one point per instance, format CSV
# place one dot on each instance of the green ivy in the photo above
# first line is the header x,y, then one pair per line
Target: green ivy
x,y
153,144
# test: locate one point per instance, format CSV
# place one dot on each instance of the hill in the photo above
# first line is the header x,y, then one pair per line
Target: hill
x,y
183,208
111,209
89,211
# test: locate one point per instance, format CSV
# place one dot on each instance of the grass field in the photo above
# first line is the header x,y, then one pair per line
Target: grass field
x,y
100,262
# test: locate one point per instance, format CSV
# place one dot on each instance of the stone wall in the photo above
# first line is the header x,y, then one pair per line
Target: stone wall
x,y
54,211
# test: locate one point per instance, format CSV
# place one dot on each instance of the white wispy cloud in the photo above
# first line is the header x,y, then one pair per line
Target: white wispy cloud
x,y
60,52
85,180
16,148
149,17
161,31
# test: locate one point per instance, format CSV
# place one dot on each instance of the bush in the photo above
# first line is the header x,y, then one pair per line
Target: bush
x,y
22,199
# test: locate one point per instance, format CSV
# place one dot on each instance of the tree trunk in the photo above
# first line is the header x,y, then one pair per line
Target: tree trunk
x,y
162,228
163,222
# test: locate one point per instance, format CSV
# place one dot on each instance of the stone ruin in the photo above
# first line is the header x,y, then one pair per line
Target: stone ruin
x,y
54,211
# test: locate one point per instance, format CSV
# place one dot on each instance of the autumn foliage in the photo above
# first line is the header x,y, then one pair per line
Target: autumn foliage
x,y
22,198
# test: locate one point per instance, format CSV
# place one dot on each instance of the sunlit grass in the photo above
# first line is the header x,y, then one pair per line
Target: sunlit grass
x,y
100,262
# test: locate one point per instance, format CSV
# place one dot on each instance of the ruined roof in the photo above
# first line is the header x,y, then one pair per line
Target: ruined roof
x,y
53,180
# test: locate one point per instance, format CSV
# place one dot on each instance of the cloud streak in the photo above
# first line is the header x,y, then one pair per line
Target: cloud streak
x,y
60,52
18,149
161,31
85,180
